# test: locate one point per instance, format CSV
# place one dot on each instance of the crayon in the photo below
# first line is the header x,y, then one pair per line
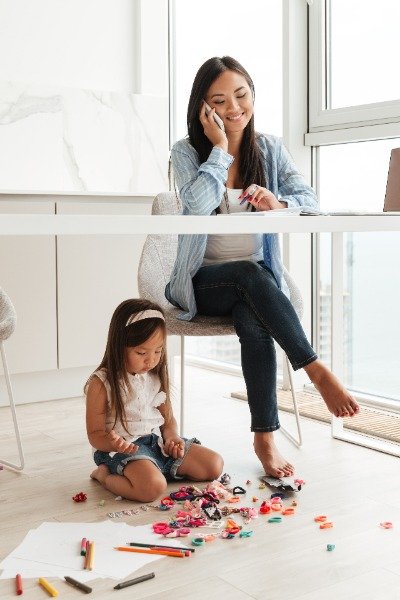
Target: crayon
x,y
78,584
18,585
125,584
48,587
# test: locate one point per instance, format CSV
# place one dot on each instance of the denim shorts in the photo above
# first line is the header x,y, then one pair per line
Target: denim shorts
x,y
149,449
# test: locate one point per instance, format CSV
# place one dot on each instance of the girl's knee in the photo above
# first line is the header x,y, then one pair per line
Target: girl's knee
x,y
216,466
153,488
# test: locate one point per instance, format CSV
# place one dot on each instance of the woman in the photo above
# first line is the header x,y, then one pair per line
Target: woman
x,y
227,168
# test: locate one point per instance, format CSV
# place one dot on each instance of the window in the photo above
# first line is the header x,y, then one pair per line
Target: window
x,y
354,115
353,62
353,176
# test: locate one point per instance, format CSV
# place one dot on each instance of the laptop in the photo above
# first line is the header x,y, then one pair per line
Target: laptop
x,y
392,196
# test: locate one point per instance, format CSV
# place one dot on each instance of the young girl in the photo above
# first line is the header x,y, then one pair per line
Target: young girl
x,y
129,418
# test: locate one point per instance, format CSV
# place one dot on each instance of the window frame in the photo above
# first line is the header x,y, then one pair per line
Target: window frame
x,y
322,118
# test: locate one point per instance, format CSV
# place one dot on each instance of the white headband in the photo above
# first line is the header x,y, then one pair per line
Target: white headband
x,y
144,314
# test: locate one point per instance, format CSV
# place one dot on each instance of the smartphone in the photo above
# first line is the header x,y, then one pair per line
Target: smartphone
x,y
217,118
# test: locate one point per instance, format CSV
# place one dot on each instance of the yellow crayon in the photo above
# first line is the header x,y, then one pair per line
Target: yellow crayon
x,y
48,587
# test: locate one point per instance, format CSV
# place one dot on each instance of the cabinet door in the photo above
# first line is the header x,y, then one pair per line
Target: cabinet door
x,y
95,274
28,276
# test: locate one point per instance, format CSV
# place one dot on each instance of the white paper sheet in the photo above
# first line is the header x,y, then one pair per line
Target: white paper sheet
x,y
53,549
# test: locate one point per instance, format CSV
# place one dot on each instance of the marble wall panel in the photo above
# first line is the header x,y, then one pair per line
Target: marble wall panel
x,y
71,140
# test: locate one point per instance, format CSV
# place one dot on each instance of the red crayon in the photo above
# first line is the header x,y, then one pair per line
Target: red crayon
x,y
18,585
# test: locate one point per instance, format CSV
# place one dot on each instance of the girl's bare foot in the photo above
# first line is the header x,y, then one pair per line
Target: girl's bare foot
x,y
336,397
271,459
100,473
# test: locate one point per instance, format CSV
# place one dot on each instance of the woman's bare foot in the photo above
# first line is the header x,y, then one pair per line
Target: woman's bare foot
x,y
271,459
100,473
336,397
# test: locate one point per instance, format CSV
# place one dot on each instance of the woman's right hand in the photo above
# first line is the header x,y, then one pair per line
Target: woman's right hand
x,y
121,445
214,133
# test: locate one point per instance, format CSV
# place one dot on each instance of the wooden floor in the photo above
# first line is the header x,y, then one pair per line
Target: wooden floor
x,y
356,487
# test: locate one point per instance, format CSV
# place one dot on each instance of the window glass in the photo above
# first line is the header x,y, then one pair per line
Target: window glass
x,y
364,51
229,27
353,176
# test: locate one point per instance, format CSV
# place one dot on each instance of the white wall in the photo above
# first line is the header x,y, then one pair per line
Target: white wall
x,y
74,43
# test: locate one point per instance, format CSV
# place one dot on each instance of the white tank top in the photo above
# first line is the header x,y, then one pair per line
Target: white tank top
x,y
228,247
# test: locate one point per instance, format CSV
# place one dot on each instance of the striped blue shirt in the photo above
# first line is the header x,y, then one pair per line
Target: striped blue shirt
x,y
201,189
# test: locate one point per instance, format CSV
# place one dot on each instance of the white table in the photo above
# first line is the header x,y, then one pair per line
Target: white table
x,y
25,224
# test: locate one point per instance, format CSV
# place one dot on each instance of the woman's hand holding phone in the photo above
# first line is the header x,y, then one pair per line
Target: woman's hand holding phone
x,y
213,128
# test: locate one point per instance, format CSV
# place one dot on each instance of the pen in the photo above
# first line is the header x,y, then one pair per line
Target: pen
x,y
18,585
48,587
178,554
159,546
78,584
125,584
245,199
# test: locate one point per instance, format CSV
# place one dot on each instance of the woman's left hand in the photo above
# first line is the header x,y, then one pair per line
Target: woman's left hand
x,y
261,198
174,446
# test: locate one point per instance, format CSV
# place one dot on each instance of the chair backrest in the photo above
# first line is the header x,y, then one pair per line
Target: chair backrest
x,y
8,316
159,253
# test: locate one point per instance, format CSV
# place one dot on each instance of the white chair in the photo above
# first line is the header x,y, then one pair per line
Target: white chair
x,y
155,267
8,319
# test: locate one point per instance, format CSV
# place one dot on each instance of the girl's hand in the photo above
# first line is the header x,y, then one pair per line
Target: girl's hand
x,y
121,445
261,198
174,446
214,133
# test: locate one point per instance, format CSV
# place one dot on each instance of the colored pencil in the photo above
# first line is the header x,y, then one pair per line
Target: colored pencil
x,y
48,587
18,585
78,584
178,554
125,584
159,546
87,555
83,547
91,556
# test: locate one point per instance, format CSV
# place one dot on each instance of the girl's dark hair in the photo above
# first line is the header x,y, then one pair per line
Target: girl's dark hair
x,y
121,337
250,163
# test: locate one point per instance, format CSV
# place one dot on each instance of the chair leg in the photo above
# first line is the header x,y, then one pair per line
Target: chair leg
x,y
299,440
182,407
21,464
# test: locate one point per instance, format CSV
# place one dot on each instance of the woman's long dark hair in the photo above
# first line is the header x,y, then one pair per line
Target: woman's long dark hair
x,y
250,163
121,337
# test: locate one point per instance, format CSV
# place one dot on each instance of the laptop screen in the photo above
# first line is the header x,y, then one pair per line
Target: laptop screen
x,y
392,197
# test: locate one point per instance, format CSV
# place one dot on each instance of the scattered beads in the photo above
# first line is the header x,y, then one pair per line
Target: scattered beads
x,y
330,547
198,541
386,525
275,520
80,497
245,534
326,525
320,518
288,511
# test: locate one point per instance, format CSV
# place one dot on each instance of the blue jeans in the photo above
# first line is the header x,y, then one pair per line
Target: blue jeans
x,y
261,313
149,449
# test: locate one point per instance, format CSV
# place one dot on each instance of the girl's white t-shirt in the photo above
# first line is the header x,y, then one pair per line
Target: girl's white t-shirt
x,y
227,247
142,414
